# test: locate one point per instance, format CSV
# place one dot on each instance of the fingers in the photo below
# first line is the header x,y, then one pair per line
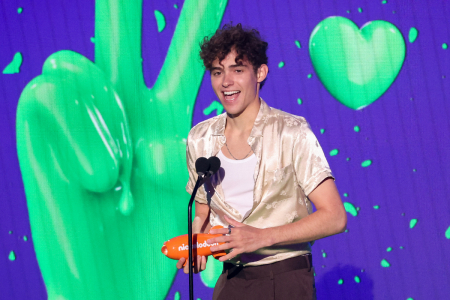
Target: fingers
x,y
220,239
199,264
219,231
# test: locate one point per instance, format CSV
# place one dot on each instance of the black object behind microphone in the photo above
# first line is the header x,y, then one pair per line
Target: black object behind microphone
x,y
202,166
214,164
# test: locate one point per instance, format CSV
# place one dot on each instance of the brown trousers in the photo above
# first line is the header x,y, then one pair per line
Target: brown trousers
x,y
291,278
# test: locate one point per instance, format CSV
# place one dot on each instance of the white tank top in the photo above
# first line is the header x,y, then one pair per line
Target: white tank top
x,y
237,182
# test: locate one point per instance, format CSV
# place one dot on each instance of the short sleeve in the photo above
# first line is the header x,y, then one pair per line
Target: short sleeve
x,y
200,197
310,164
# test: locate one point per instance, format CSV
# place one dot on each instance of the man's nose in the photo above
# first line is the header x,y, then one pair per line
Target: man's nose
x,y
227,80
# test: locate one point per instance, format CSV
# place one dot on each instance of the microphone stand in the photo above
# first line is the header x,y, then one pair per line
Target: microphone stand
x,y
194,192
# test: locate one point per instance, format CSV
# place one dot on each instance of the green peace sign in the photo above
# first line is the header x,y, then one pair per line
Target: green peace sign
x,y
103,157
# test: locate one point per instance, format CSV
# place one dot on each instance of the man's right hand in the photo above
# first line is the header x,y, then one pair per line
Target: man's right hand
x,y
199,264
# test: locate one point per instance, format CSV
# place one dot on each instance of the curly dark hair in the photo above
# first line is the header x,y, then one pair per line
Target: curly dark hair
x,y
247,43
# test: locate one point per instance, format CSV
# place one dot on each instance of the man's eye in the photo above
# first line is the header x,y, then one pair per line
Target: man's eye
x,y
238,70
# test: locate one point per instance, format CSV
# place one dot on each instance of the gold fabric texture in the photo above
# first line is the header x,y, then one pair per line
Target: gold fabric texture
x,y
290,165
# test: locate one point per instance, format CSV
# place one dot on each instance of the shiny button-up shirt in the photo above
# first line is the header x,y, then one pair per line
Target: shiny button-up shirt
x,y
290,165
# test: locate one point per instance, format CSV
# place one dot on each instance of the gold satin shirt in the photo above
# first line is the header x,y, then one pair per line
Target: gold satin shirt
x,y
290,165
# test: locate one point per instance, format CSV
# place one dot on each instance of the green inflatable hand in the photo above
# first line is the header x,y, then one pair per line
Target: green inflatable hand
x,y
356,66
103,157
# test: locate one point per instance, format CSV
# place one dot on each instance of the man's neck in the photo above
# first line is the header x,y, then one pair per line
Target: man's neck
x,y
243,123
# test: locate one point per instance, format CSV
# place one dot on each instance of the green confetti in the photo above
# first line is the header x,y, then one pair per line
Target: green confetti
x,y
401,247
360,9
357,279
385,263
334,152
447,233
324,254
177,296
412,36
215,105
356,128
366,163
376,206
309,75
412,223
160,20
345,195
346,230
299,101
281,64
92,39
350,208
176,6
25,238
389,249
410,298
348,158
14,66
19,10
348,11
414,170
297,43
10,232
444,46
322,131
341,281
12,256
384,1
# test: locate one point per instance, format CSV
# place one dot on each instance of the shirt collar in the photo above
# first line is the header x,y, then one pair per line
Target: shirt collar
x,y
219,126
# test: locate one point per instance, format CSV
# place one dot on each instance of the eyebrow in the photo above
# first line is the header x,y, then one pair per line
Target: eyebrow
x,y
230,67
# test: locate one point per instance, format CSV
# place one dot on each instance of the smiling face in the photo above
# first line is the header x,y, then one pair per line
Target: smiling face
x,y
236,84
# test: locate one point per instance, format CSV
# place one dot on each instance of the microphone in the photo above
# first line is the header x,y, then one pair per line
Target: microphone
x,y
201,166
214,165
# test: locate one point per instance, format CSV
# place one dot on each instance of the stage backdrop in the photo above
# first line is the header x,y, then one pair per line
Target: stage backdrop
x,y
97,100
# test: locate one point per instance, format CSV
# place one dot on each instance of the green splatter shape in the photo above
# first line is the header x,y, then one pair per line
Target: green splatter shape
x,y
447,233
299,101
376,206
412,223
350,208
414,170
348,11
322,131
356,128
297,43
309,75
160,20
345,195
211,274
25,238
12,256
341,281
413,33
92,39
177,296
175,6
281,64
366,163
384,1
215,105
14,66
324,254
385,263
444,46
19,10
10,232
334,152
357,279
401,247
360,9
410,298
389,249
348,158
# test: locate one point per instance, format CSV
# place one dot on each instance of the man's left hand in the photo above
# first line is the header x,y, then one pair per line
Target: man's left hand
x,y
242,239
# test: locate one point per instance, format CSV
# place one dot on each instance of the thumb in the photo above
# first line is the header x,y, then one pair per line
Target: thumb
x,y
233,222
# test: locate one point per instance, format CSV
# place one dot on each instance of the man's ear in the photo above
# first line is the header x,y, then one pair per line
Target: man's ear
x,y
261,74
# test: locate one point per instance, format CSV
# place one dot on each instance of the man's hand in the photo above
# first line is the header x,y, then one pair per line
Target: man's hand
x,y
199,264
242,239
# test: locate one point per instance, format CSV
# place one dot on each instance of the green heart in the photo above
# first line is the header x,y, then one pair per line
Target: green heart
x,y
356,66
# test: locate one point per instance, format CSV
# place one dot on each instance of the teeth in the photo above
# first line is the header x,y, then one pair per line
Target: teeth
x,y
230,93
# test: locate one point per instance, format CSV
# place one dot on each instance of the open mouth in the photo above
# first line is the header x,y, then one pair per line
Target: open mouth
x,y
231,95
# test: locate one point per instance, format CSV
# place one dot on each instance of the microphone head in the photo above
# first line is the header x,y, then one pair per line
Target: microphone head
x,y
201,165
214,164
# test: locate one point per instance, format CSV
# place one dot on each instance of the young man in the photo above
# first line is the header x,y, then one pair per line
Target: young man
x,y
272,167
